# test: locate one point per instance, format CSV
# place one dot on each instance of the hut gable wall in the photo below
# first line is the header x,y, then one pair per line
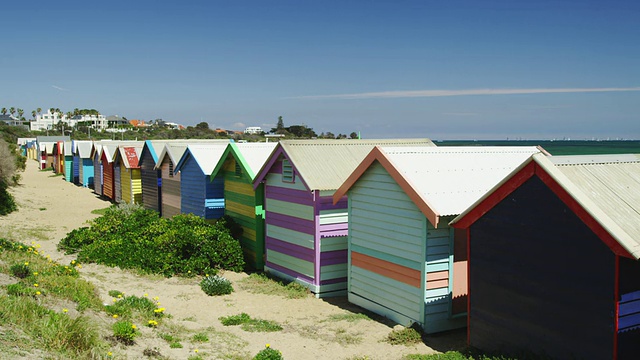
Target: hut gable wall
x,y
386,237
97,175
539,274
117,181
107,178
170,191
192,188
290,226
149,180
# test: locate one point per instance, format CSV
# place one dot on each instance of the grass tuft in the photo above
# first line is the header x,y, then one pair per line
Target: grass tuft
x,y
263,284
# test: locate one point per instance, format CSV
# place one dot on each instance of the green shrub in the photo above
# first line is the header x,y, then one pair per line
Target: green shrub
x,y
140,308
131,237
268,353
216,285
20,270
235,319
125,332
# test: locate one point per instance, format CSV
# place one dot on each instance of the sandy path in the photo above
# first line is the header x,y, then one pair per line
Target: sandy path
x,y
50,207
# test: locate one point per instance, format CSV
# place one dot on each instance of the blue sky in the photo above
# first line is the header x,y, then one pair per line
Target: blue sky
x,y
440,69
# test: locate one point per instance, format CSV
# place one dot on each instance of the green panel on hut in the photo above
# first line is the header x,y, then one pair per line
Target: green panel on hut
x,y
238,166
404,260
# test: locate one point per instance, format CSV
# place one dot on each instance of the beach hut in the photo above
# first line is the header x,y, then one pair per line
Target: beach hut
x,y
67,150
58,157
305,233
45,146
553,259
125,165
98,177
150,176
238,167
82,156
108,177
199,194
405,262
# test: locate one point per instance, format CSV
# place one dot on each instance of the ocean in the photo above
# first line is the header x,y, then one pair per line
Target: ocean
x,y
558,147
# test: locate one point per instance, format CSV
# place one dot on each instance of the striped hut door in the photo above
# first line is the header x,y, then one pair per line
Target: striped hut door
x,y
629,312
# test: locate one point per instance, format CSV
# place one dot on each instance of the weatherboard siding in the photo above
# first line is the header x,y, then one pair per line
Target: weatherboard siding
x,y
76,169
125,185
244,205
107,179
136,185
97,175
200,196
87,174
117,182
399,264
306,235
149,180
170,190
68,168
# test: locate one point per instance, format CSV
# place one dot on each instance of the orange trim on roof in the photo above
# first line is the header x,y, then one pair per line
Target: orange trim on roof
x,y
378,155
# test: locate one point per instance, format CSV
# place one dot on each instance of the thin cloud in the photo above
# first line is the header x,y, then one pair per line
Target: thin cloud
x,y
440,93
59,88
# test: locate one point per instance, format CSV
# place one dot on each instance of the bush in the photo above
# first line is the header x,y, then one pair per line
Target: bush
x,y
405,336
20,270
268,353
125,332
216,285
131,237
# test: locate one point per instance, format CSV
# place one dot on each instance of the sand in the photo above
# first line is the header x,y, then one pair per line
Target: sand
x,y
50,207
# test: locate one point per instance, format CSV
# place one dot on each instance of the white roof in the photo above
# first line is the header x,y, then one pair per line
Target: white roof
x,y
175,149
325,164
255,154
452,178
206,155
83,148
607,187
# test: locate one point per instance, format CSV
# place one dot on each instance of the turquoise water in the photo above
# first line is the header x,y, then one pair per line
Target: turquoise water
x,y
572,147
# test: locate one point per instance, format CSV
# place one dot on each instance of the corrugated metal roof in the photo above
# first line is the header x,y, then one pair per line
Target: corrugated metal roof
x,y
450,179
206,155
110,147
83,149
176,148
608,187
255,154
326,164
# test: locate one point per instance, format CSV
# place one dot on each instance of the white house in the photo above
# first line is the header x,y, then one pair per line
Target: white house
x,y
48,120
253,130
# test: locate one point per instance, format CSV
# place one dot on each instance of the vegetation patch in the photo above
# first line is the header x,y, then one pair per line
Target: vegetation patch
x,y
216,285
130,237
251,325
348,317
268,353
263,284
405,336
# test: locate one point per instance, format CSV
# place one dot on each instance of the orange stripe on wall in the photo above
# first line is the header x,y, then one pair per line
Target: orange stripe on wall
x,y
440,275
387,269
437,284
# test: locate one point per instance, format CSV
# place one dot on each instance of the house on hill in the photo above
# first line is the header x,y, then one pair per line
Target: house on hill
x,y
553,259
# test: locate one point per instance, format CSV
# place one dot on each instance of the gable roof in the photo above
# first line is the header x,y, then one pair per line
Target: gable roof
x,y
83,148
109,148
603,191
129,156
250,156
175,149
443,181
205,155
325,164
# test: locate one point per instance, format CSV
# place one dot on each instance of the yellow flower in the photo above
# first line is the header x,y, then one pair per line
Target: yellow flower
x,y
26,263
79,266
268,345
119,295
158,303
156,298
109,354
115,316
35,285
35,273
37,292
195,351
114,300
145,294
38,246
134,327
65,310
73,262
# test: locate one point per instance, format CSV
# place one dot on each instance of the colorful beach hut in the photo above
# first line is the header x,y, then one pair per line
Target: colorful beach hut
x,y
98,176
46,145
127,170
305,232
199,194
108,177
405,262
82,157
67,151
238,167
150,176
58,157
553,259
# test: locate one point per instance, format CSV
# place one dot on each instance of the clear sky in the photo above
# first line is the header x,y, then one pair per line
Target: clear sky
x,y
441,69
